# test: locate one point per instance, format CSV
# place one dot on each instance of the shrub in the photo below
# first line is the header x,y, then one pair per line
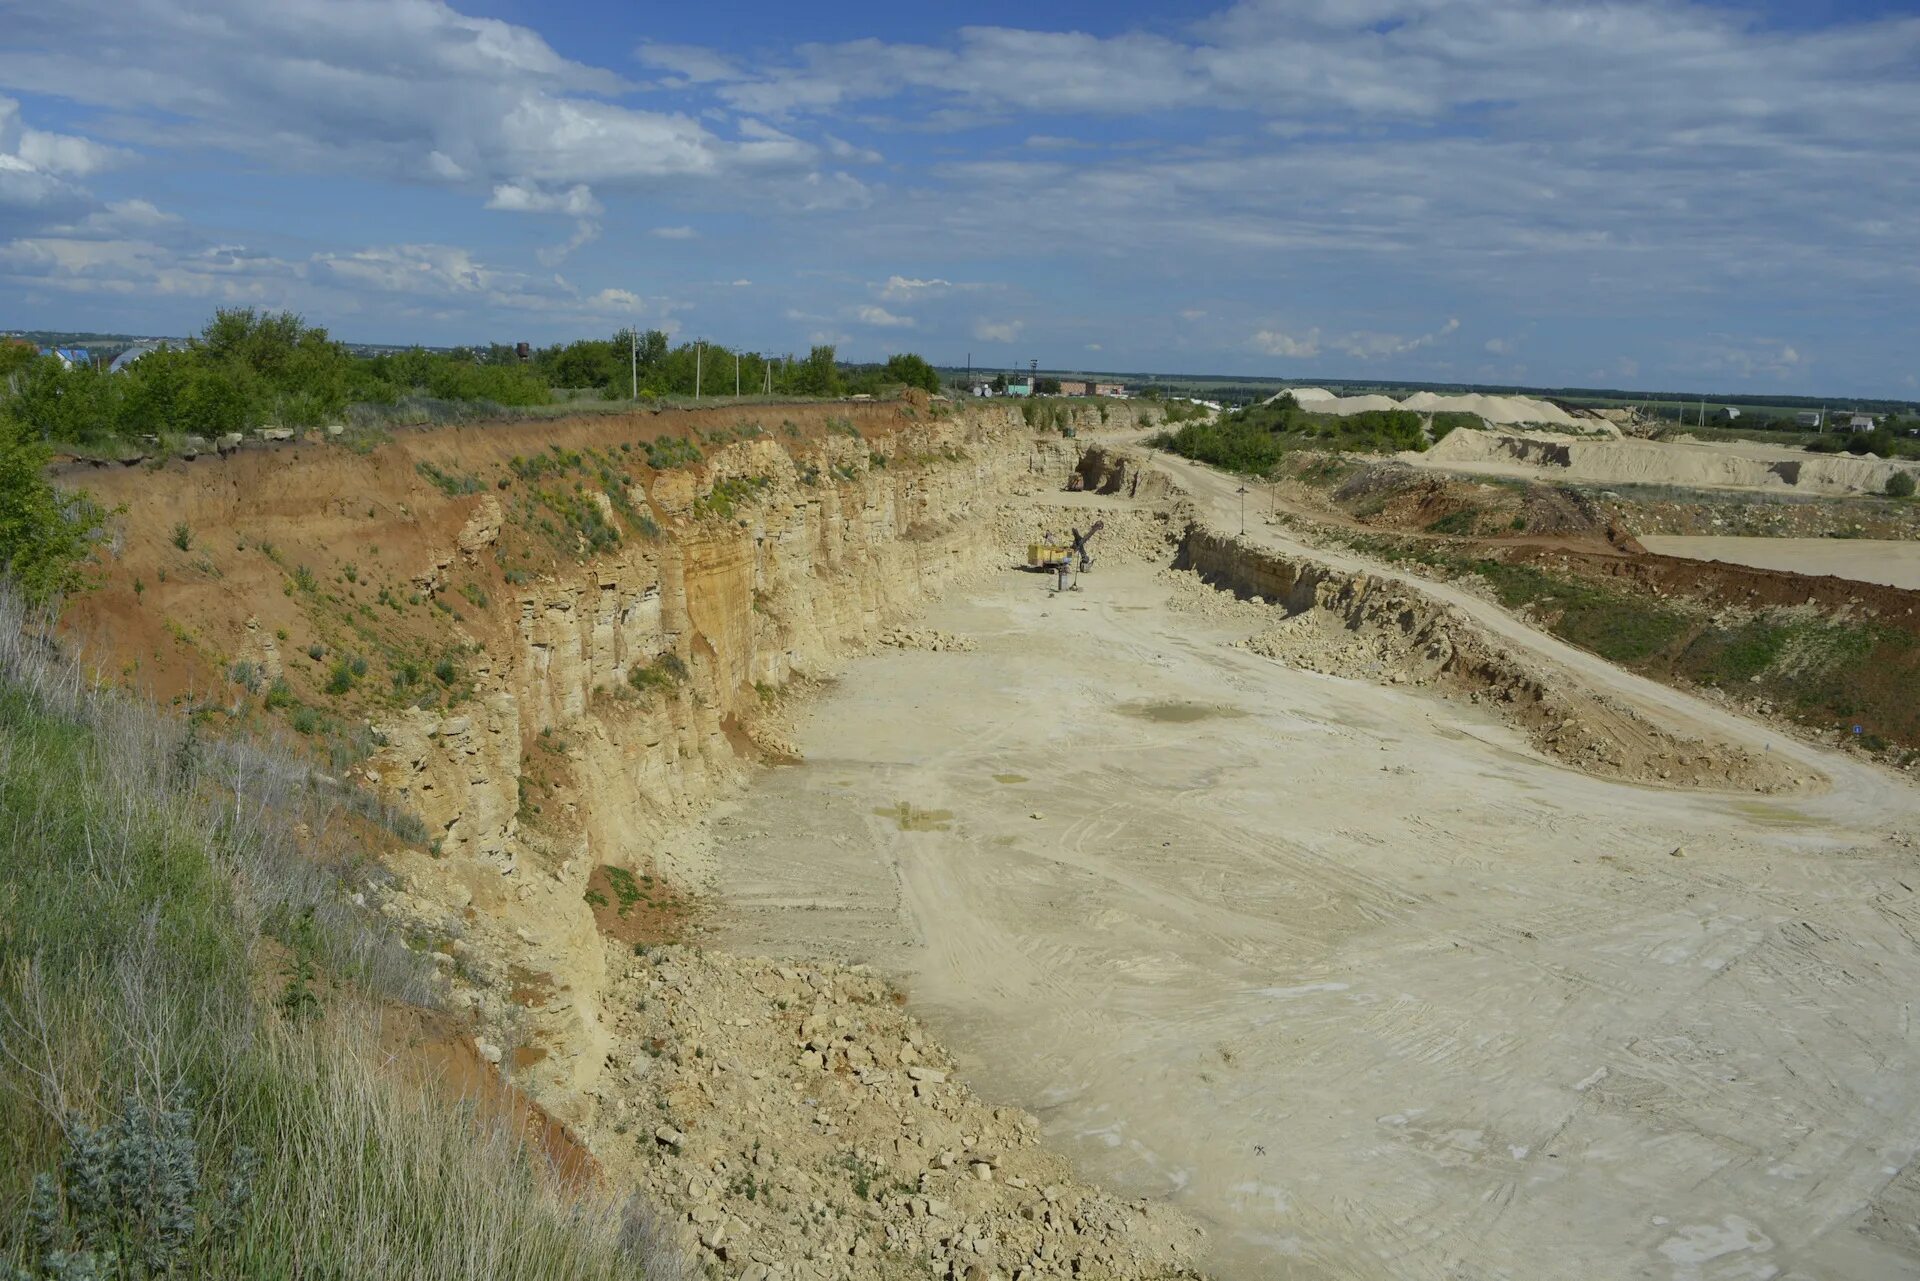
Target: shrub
x,y
46,536
182,536
1900,485
664,672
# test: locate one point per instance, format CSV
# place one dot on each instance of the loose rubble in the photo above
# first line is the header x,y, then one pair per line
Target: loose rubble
x,y
926,638
803,1125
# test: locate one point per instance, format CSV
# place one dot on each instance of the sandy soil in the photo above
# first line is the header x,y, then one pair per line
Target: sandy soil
x,y
1896,564
1351,973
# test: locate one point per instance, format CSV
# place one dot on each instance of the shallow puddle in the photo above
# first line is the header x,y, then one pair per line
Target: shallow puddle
x,y
1771,814
1176,713
917,820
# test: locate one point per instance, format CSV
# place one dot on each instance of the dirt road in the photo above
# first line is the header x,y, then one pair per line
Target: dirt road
x,y
1350,972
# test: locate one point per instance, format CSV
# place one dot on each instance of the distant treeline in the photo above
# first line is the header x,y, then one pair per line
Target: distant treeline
x,y
249,369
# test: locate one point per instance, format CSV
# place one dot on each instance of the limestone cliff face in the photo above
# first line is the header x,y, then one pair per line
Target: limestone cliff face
x,y
771,563
482,596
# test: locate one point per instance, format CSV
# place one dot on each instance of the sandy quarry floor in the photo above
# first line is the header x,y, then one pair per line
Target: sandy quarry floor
x,y
1866,560
1349,972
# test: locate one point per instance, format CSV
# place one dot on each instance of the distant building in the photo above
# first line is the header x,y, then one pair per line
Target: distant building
x,y
1729,413
69,357
1860,422
1809,418
1022,386
1110,389
132,354
1075,387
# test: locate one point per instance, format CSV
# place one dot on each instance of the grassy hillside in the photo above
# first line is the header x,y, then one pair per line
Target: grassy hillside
x,y
192,1014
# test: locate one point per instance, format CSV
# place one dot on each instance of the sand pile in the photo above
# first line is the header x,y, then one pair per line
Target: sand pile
x,y
1508,410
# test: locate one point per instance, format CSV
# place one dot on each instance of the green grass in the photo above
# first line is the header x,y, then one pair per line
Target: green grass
x,y
1617,626
188,1003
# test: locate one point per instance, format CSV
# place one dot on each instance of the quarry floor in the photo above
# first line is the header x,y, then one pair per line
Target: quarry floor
x,y
1867,560
1349,972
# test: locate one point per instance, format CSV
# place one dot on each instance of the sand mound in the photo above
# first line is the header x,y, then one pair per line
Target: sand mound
x,y
1505,410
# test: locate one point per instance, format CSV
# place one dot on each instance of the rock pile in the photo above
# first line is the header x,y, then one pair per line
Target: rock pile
x,y
927,638
805,1126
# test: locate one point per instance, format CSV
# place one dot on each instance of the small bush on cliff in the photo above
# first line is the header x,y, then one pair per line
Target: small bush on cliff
x,y
1900,485
663,672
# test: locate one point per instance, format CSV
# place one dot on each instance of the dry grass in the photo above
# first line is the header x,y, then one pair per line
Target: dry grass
x,y
162,915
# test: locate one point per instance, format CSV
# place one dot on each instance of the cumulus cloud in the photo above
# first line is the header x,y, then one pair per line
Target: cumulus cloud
x,y
1374,346
881,318
40,172
1269,342
997,330
675,233
576,200
398,89
905,288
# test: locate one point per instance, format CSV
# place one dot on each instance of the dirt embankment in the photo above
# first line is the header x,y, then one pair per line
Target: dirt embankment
x,y
1357,625
1820,653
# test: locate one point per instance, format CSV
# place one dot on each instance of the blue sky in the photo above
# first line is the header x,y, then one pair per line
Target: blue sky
x,y
1555,192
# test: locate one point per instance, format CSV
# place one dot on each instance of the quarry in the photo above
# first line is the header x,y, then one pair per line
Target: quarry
x,y
1293,897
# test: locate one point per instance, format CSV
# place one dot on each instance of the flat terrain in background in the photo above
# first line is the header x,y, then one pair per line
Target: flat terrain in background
x,y
1867,560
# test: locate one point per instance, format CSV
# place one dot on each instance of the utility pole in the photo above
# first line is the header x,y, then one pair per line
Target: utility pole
x,y
633,357
736,375
698,349
1242,491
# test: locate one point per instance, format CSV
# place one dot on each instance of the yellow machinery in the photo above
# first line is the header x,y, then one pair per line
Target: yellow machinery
x,y
1048,555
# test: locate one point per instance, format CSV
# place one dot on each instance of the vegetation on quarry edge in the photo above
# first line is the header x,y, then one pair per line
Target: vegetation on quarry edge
x,y
192,1014
247,369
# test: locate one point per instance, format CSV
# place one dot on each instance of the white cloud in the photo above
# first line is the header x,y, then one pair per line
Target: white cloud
x,y
576,200
392,89
688,62
1270,342
1374,346
1744,358
1193,313
881,318
742,283
1094,346
1500,346
585,232
906,289
675,233
997,330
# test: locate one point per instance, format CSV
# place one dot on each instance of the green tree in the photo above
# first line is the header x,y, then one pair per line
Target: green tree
x,y
914,371
45,535
817,375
